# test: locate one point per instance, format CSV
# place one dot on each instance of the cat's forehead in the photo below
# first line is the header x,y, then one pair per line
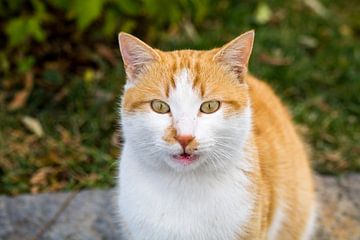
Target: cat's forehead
x,y
193,67
194,61
184,76
183,95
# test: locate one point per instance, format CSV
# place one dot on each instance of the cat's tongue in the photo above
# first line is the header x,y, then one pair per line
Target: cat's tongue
x,y
185,158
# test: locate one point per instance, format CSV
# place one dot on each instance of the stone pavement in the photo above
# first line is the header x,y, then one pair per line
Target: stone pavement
x,y
89,214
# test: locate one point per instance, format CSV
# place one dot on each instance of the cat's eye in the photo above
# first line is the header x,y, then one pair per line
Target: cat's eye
x,y
210,106
160,106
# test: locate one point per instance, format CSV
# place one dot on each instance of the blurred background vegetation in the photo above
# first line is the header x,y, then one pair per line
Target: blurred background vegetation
x,y
61,74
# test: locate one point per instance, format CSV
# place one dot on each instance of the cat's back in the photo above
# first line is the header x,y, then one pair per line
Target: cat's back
x,y
285,174
275,134
271,119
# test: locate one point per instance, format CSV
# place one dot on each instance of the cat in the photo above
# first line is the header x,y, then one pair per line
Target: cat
x,y
209,151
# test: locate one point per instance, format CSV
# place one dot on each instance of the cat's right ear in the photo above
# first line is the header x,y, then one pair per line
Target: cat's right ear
x,y
235,55
136,55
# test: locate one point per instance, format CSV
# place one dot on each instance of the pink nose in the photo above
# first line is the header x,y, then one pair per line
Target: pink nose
x,y
184,140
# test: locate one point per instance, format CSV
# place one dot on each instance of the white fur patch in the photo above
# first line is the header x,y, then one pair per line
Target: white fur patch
x,y
277,222
167,205
185,103
311,224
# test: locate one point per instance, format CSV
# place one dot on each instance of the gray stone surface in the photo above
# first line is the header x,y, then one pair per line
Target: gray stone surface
x,y
90,214
339,210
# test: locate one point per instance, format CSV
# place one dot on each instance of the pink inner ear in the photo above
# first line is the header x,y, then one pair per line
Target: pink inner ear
x,y
126,57
135,53
131,53
237,52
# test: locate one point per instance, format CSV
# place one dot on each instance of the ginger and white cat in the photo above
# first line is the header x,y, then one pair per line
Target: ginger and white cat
x,y
209,151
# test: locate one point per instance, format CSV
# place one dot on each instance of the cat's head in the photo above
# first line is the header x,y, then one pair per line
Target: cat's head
x,y
186,109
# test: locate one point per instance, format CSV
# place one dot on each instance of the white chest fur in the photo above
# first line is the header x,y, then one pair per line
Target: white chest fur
x,y
168,205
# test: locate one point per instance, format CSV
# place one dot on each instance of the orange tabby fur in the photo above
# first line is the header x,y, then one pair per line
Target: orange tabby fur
x,y
284,171
282,174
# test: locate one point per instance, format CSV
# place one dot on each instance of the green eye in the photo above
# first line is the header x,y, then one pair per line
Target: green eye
x,y
160,106
210,106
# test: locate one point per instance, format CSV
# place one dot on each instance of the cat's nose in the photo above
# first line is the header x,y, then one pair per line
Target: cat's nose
x,y
184,140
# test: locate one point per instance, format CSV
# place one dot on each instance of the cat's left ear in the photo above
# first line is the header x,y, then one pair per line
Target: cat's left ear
x,y
136,55
236,54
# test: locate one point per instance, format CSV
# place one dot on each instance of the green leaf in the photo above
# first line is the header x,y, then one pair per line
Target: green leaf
x,y
4,62
164,12
14,5
110,22
40,11
201,10
34,29
25,64
16,30
128,25
20,29
62,4
86,12
129,7
263,13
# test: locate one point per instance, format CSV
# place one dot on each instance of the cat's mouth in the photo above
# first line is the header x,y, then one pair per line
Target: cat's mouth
x,y
185,158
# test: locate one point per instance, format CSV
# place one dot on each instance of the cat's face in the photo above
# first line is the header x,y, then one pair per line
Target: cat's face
x,y
186,109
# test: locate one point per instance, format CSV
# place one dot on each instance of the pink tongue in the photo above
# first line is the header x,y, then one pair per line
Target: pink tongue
x,y
185,155
185,158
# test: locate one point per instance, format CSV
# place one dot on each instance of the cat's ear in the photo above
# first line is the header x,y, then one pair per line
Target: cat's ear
x,y
236,54
136,55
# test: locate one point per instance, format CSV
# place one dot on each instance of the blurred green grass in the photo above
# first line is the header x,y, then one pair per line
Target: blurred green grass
x,y
310,55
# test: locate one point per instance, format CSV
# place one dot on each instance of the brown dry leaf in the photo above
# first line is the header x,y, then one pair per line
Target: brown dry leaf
x,y
317,7
114,152
21,143
65,134
329,138
346,30
7,84
21,96
57,186
104,95
2,97
333,156
274,60
115,139
35,189
61,95
302,129
92,177
322,104
308,41
54,157
190,30
336,160
33,125
40,176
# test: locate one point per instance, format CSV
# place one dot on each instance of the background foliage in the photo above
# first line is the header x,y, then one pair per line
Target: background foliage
x,y
61,73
